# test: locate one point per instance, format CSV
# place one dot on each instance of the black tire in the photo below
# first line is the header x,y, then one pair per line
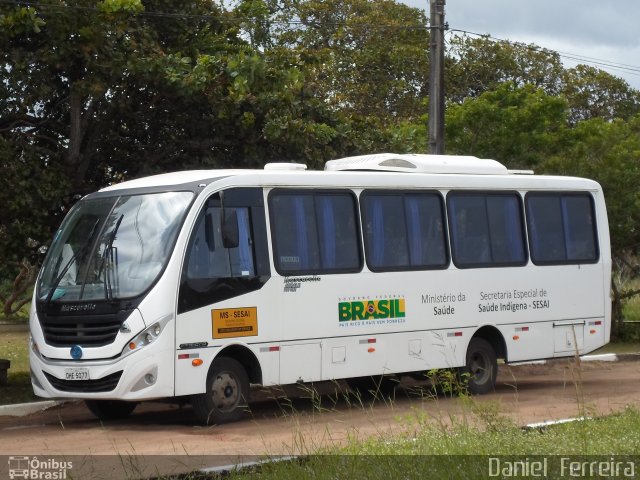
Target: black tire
x,y
227,393
481,367
110,409
374,386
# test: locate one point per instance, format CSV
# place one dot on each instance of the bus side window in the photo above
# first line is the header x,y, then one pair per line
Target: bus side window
x,y
486,229
314,232
580,231
385,230
403,230
562,228
225,258
209,258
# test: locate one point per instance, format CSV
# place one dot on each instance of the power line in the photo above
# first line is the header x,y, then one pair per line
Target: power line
x,y
622,67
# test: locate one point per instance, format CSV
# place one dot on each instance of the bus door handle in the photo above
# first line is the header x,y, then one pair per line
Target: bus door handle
x,y
568,323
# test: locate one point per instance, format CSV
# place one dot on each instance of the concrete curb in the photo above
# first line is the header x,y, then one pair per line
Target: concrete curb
x,y
603,357
24,409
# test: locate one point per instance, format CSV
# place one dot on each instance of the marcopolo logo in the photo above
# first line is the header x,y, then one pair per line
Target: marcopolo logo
x,y
371,309
33,468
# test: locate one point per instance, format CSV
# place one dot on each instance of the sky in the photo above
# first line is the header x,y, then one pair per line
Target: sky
x,y
605,31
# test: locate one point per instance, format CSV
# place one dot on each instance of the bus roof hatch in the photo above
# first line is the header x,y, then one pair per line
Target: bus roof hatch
x,y
418,163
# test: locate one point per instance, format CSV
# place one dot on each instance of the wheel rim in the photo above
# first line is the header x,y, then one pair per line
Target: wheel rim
x,y
479,368
225,392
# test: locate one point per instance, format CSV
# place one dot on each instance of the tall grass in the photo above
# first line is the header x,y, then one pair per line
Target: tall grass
x,y
430,448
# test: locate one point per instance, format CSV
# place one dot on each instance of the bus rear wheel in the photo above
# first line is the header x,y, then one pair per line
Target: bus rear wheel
x,y
110,409
481,367
227,393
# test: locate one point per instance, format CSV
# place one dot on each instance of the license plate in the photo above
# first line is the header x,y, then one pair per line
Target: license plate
x,y
76,374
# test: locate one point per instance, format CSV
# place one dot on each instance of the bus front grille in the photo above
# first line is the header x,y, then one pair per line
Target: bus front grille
x,y
105,384
83,330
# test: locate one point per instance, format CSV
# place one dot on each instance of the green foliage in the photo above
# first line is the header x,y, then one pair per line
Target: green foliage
x,y
518,126
593,93
23,21
116,6
478,65
365,58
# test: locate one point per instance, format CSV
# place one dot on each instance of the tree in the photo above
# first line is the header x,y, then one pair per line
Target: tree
x,y
593,93
516,125
476,65
364,58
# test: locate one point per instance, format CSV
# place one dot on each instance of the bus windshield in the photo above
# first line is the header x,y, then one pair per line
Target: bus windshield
x,y
112,247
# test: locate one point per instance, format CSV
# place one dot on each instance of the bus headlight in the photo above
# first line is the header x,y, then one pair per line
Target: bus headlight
x,y
146,337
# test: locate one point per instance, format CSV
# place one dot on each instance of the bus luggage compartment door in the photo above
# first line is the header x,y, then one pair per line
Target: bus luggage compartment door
x,y
568,336
300,363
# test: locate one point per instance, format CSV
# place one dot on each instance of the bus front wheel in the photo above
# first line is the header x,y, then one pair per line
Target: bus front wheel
x,y
481,367
226,395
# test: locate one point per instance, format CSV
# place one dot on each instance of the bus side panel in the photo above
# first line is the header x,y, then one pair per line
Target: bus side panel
x,y
409,321
378,354
197,328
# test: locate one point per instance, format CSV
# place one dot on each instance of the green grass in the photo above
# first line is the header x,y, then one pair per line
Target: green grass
x,y
619,347
460,447
14,347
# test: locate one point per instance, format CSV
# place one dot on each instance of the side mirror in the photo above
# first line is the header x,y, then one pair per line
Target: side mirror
x,y
229,230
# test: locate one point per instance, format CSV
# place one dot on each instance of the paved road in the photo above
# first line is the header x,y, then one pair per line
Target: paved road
x,y
295,422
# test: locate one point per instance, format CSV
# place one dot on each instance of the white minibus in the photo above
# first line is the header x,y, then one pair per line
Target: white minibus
x,y
195,285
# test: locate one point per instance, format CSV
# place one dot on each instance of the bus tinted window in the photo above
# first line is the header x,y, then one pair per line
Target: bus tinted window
x,y
486,229
561,228
403,231
227,253
314,232
208,258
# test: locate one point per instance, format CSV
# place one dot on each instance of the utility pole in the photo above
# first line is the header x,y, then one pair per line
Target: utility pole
x,y
436,78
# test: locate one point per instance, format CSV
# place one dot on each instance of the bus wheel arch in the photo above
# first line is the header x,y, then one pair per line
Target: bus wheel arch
x,y
227,388
481,367
495,338
246,358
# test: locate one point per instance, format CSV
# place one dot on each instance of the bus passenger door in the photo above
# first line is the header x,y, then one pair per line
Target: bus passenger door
x,y
222,289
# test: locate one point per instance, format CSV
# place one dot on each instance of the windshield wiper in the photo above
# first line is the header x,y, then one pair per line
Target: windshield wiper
x,y
80,253
108,252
